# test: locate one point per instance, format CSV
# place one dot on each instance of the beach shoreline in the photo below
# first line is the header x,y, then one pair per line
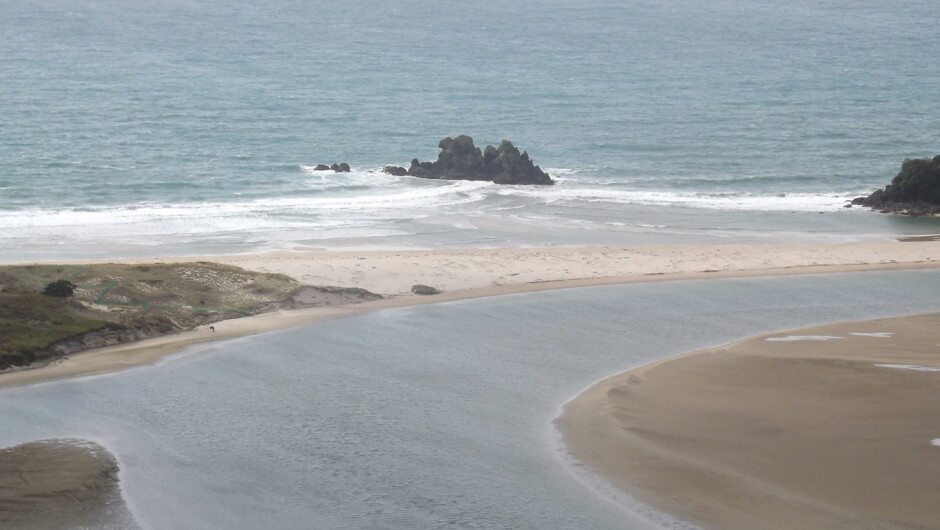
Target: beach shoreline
x,y
467,274
474,273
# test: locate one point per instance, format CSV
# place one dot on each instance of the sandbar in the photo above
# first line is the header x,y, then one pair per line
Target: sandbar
x,y
473,273
59,485
826,427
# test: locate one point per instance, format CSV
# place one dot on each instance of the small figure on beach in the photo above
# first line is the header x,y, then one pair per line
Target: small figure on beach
x,y
212,329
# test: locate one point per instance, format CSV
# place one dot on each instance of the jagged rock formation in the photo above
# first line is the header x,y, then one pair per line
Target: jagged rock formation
x,y
913,191
459,159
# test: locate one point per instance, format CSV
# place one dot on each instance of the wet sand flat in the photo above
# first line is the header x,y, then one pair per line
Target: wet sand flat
x,y
835,426
60,484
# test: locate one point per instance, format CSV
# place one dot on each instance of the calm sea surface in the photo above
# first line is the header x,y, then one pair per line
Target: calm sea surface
x,y
424,418
192,126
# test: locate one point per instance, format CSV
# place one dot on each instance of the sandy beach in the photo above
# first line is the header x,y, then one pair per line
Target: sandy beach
x,y
632,439
473,273
834,426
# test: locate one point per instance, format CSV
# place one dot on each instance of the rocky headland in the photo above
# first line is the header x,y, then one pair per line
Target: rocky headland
x,y
459,159
914,191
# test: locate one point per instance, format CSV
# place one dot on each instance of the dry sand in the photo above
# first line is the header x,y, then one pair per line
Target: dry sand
x,y
772,434
394,272
473,273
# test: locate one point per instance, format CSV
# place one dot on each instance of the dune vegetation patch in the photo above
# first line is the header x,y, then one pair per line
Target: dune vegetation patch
x,y
48,311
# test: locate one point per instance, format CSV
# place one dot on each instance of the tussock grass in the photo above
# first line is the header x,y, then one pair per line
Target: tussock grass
x,y
127,302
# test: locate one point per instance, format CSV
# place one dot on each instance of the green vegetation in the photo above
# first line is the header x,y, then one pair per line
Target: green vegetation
x,y
114,303
30,322
424,289
60,288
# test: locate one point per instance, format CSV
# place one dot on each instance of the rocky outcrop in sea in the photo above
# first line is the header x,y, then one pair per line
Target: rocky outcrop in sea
x,y
342,167
913,191
459,159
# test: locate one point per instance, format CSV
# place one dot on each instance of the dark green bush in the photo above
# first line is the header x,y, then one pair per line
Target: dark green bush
x,y
60,288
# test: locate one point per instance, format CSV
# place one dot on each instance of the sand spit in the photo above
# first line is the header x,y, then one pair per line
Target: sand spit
x,y
474,273
392,273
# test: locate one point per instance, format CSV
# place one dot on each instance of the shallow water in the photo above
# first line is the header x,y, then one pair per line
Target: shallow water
x,y
430,417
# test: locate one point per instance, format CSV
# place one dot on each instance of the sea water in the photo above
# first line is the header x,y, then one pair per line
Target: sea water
x,y
193,126
430,417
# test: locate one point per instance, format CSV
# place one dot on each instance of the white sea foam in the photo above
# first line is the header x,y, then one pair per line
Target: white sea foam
x,y
795,338
935,441
879,334
247,215
915,367
620,193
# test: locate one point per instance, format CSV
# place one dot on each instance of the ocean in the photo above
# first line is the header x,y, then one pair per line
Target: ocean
x,y
192,126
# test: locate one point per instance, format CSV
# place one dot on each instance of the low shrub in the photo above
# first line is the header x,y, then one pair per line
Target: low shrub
x,y
59,288
424,289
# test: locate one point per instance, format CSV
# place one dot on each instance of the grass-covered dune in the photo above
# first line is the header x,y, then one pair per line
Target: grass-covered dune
x,y
117,303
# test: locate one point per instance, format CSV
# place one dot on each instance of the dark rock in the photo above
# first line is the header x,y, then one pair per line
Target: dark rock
x,y
459,159
322,167
914,191
397,171
342,167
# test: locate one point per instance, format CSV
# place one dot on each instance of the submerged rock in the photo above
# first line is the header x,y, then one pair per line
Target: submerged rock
x,y
913,191
459,159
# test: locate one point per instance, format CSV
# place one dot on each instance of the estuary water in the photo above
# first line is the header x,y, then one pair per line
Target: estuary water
x,y
429,417
192,126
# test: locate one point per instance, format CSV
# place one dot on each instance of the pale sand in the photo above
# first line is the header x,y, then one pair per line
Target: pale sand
x,y
777,434
394,272
472,273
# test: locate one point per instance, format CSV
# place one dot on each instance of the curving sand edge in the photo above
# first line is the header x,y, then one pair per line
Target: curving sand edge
x,y
474,273
61,484
797,432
